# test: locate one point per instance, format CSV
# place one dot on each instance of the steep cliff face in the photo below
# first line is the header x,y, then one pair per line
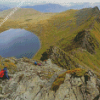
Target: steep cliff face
x,y
31,82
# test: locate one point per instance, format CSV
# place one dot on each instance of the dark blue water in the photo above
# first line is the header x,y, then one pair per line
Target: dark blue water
x,y
18,43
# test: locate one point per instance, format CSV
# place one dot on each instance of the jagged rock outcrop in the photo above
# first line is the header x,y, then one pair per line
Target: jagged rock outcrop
x,y
86,41
61,58
85,14
83,40
32,82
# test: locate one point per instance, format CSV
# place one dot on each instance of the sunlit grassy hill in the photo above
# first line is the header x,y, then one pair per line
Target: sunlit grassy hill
x,y
19,13
76,32
22,17
25,14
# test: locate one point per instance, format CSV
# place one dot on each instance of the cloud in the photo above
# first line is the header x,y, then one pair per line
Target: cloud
x,y
53,1
61,2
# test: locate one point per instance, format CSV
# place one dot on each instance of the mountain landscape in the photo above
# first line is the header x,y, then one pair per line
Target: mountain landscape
x,y
70,42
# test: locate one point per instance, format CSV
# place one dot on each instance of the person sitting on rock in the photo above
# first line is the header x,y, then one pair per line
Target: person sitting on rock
x,y
4,74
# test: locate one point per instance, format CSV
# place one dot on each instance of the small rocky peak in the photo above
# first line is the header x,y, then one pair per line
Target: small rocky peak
x,y
83,14
86,41
96,8
95,11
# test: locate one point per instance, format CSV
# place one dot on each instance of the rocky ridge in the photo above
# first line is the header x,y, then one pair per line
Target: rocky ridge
x,y
32,82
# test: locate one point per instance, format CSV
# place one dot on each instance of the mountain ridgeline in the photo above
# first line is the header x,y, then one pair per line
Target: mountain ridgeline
x,y
48,8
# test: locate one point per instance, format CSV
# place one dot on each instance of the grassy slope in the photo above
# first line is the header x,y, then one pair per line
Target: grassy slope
x,y
60,27
84,57
91,60
54,29
24,14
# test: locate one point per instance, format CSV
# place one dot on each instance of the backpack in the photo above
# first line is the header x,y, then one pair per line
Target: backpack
x,y
2,73
39,64
35,63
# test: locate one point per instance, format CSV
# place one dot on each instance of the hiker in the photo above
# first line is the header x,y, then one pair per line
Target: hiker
x,y
35,63
4,74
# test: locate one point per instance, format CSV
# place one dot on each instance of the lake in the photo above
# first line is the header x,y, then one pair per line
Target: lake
x,y
18,43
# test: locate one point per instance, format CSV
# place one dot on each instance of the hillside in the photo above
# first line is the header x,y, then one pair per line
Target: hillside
x,y
71,30
77,34
25,14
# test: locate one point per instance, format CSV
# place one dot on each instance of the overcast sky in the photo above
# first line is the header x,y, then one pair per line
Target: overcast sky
x,y
62,2
37,2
